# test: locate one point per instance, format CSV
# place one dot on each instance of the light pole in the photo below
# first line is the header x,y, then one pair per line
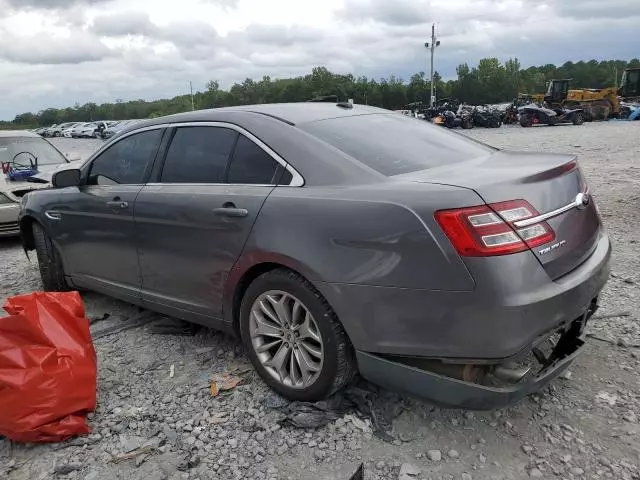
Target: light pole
x,y
432,46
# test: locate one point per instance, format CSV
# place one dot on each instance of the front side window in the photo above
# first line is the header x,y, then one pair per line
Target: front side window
x,y
126,161
198,155
251,164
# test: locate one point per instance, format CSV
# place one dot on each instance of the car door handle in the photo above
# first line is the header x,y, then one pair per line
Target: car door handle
x,y
231,211
117,204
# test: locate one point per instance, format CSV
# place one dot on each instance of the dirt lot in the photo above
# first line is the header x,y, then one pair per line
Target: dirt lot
x,y
582,426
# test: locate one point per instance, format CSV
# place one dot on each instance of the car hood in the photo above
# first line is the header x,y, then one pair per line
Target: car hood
x,y
40,179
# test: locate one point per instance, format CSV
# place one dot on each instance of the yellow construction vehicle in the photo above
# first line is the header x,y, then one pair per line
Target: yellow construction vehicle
x,y
597,103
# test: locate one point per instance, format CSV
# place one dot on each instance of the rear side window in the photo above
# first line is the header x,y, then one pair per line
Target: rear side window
x,y
126,161
394,144
198,155
251,164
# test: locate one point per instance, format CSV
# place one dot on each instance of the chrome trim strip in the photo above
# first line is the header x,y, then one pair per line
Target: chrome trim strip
x,y
296,181
52,215
577,203
176,184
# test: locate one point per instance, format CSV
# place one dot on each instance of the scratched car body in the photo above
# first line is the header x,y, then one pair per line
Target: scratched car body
x,y
334,238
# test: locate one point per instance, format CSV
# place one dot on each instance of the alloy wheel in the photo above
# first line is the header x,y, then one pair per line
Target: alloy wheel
x,y
286,339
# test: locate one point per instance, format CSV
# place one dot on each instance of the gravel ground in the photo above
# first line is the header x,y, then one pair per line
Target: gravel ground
x,y
153,390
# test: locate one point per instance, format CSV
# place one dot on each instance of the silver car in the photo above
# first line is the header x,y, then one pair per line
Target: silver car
x,y
21,153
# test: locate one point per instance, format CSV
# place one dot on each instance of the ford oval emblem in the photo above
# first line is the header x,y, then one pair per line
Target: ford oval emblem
x,y
582,200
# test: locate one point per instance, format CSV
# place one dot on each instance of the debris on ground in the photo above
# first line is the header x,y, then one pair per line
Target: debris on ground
x,y
173,326
224,382
409,472
133,454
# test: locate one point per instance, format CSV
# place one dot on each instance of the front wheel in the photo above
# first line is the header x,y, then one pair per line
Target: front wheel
x,y
51,270
293,338
578,119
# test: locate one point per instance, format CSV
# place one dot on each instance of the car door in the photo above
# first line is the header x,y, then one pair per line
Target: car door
x,y
93,224
193,223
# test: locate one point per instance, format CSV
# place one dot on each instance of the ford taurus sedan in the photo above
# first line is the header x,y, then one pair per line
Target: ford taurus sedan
x,y
337,238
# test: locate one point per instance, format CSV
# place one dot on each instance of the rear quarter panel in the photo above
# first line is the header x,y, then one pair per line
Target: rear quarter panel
x,y
381,235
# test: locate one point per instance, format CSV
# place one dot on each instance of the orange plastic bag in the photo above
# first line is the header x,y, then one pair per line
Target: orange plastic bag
x,y
47,368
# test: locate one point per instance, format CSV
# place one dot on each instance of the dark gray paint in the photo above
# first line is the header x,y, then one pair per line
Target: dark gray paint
x,y
97,238
186,247
369,243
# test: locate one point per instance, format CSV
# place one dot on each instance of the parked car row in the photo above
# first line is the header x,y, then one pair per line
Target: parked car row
x,y
99,129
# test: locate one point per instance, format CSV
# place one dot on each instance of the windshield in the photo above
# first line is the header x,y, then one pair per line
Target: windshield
x,y
394,144
38,147
631,82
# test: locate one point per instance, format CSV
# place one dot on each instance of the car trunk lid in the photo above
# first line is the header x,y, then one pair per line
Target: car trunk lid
x,y
550,183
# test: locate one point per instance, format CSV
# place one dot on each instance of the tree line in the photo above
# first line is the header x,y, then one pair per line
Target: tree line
x,y
489,82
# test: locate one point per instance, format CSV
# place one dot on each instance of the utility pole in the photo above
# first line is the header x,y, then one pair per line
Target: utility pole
x,y
432,46
192,104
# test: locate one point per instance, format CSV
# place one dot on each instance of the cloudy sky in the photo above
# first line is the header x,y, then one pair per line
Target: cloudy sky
x,y
54,53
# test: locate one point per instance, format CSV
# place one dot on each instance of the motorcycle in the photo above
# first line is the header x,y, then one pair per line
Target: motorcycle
x,y
534,115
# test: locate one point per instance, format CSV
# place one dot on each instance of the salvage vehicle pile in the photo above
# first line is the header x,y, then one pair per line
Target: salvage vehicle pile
x,y
558,105
187,405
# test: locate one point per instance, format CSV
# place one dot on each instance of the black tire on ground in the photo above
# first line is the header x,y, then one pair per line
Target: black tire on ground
x,y
578,119
339,365
51,270
526,121
56,134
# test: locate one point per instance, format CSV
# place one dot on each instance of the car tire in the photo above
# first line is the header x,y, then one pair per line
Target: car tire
x,y
526,121
578,119
334,368
51,270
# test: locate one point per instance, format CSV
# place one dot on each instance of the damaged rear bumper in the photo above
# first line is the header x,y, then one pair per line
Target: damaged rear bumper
x,y
449,392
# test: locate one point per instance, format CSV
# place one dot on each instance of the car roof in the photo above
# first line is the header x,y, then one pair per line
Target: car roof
x,y
18,133
291,113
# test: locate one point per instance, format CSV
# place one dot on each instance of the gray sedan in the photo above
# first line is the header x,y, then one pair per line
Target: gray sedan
x,y
336,238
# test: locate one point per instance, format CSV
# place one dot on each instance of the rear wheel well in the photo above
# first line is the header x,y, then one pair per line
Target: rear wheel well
x,y
26,233
246,280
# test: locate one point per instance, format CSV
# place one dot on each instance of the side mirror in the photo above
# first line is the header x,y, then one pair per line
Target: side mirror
x,y
66,178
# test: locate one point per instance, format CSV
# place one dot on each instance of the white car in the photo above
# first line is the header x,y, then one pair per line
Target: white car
x,y
28,161
84,130
66,132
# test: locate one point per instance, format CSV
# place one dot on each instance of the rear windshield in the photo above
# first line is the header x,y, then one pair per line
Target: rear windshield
x,y
394,144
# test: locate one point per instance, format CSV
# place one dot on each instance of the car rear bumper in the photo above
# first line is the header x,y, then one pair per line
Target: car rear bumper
x,y
449,392
513,306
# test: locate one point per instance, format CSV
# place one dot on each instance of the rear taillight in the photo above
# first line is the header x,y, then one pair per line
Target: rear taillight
x,y
489,230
